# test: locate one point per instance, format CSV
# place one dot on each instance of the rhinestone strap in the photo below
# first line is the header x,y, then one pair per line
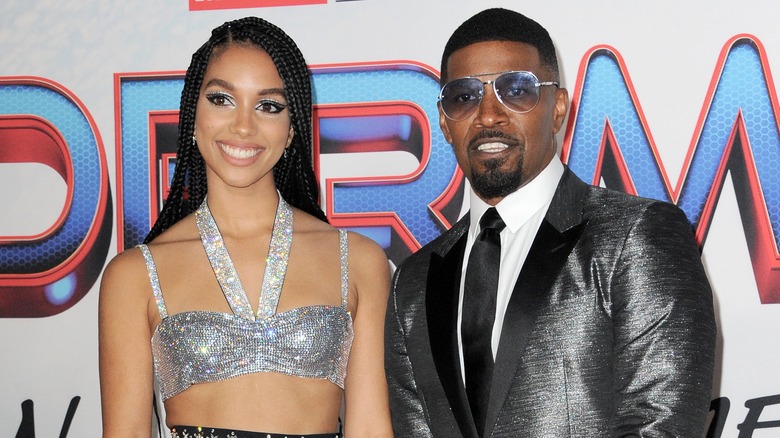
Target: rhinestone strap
x,y
344,252
151,268
276,262
222,264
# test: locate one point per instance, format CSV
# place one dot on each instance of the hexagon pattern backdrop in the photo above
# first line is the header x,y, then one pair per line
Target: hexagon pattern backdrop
x,y
669,100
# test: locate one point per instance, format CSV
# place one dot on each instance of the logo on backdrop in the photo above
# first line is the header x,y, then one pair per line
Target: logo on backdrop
x,y
354,114
203,5
371,110
364,109
47,273
386,111
609,139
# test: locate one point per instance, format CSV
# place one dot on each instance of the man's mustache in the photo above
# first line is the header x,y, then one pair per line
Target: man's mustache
x,y
492,134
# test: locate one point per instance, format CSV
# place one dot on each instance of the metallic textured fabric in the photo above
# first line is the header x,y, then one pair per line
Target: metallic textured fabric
x,y
201,346
211,432
610,330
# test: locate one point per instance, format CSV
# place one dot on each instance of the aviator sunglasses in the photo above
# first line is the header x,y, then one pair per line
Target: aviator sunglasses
x,y
517,90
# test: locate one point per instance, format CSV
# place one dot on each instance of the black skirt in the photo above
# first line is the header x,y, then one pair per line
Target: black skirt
x,y
213,432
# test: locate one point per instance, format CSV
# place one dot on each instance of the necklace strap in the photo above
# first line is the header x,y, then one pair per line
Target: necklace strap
x,y
344,255
224,270
276,262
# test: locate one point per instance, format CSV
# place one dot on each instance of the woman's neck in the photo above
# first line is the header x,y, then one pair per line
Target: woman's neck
x,y
242,212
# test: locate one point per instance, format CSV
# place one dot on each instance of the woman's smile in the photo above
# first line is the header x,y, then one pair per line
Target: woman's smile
x,y
239,153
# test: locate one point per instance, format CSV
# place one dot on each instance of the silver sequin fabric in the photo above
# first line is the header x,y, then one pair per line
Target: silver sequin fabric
x,y
209,432
203,346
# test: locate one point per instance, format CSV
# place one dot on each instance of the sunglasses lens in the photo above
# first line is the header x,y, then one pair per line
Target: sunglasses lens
x,y
519,91
461,97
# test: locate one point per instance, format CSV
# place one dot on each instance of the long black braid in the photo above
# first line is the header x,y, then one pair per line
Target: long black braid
x,y
293,172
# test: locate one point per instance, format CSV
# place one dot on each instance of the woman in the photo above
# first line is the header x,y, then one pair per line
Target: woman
x,y
253,314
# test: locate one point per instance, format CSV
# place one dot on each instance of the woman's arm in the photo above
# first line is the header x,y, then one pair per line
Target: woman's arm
x,y
367,404
126,376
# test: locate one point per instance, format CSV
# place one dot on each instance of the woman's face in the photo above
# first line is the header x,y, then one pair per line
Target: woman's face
x,y
242,124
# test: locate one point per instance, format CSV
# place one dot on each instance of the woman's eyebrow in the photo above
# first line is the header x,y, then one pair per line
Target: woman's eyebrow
x,y
227,85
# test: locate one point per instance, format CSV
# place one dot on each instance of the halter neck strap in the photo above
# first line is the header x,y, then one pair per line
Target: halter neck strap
x,y
227,277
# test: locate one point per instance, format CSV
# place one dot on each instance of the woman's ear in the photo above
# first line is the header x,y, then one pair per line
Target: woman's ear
x,y
290,136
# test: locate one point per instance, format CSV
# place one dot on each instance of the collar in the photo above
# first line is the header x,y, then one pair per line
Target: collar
x,y
519,206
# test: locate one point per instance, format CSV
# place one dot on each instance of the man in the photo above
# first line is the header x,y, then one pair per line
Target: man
x,y
599,321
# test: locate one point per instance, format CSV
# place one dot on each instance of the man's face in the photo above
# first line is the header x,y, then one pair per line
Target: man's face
x,y
500,150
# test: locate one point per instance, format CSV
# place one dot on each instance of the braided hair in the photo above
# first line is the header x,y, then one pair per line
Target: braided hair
x,y
293,173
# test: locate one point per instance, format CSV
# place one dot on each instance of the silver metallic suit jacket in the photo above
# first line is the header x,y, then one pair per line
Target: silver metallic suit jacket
x,y
609,332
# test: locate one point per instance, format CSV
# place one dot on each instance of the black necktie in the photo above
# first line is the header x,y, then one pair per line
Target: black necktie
x,y
479,312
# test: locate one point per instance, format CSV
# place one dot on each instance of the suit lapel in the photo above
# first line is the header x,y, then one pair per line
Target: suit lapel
x,y
441,302
546,258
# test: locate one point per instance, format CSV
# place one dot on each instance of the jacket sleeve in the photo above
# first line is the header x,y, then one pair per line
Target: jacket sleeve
x,y
406,404
664,328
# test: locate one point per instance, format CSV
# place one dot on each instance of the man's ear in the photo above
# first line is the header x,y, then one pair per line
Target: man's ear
x,y
443,125
560,108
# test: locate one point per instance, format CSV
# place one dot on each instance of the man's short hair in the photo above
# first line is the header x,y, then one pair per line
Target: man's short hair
x,y
499,24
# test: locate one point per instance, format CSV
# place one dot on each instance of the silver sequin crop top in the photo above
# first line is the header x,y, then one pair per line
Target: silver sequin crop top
x,y
204,346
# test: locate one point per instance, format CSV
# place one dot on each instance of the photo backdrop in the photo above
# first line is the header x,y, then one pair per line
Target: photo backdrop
x,y
670,100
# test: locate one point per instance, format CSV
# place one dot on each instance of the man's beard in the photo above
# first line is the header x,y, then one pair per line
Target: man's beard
x,y
494,182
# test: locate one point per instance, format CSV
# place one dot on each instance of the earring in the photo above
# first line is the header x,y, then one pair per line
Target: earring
x,y
194,140
285,153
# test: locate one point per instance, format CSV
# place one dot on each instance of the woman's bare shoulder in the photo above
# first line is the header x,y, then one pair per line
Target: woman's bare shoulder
x,y
128,268
368,263
362,249
366,247
185,230
125,276
305,222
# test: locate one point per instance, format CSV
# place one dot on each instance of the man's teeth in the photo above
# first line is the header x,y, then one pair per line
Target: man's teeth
x,y
492,147
239,153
